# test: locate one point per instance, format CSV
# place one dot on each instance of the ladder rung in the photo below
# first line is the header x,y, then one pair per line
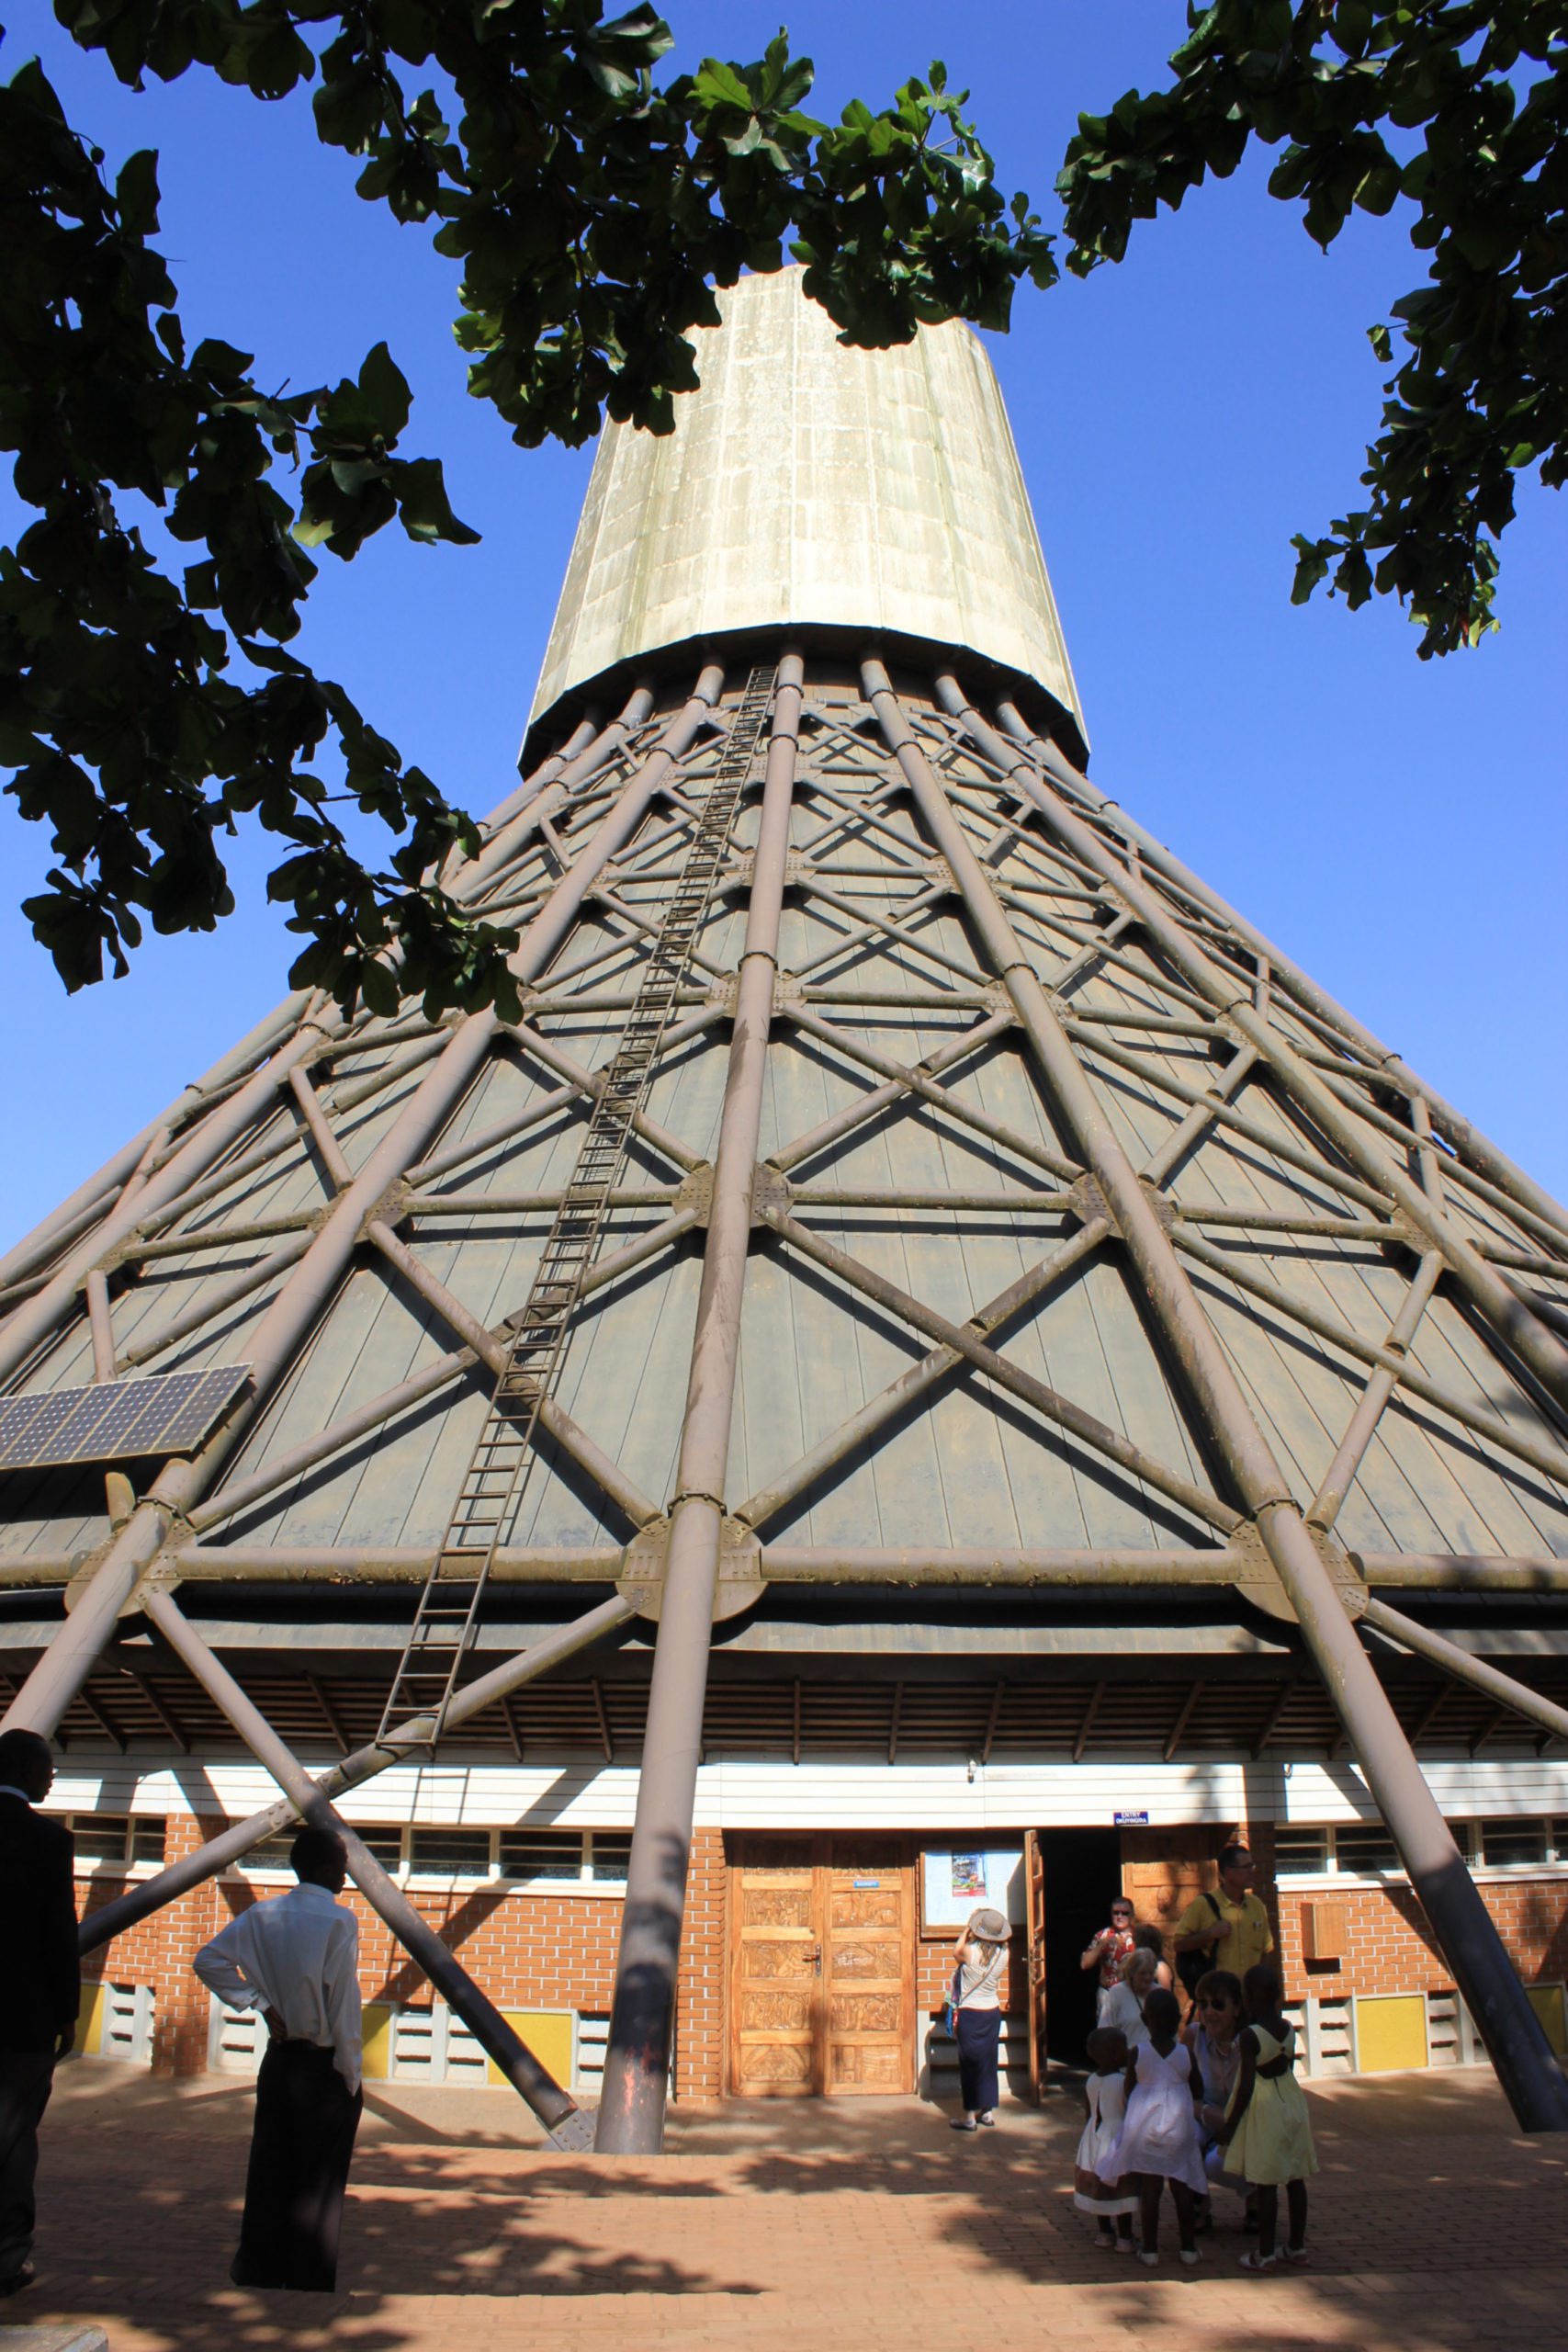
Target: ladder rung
x,y
536,1337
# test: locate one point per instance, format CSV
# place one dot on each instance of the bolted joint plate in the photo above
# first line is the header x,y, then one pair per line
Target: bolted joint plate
x,y
160,1574
573,2135
741,1579
739,871
770,1190
1088,1203
694,1192
1259,1582
391,1208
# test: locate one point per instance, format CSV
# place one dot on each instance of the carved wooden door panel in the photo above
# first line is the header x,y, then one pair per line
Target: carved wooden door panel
x,y
868,1966
1034,1892
776,1943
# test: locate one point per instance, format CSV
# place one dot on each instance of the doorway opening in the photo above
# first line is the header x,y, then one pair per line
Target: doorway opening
x,y
1081,1876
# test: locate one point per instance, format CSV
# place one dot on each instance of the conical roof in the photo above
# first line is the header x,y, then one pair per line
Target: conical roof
x,y
948,1366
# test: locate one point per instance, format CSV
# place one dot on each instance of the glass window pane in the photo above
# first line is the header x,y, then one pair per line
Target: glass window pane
x,y
541,1853
1506,1844
146,1839
101,1836
1365,1849
1301,1853
1467,1839
387,1845
454,1853
272,1854
611,1851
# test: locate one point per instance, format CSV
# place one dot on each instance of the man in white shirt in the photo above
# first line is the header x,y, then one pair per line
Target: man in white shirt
x,y
297,1961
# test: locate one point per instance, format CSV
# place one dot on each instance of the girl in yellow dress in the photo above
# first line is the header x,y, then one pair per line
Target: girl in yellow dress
x,y
1267,2128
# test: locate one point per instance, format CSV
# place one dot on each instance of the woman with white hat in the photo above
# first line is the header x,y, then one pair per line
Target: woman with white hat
x,y
982,1955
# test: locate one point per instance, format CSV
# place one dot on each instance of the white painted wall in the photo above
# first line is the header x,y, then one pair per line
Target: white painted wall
x,y
747,1793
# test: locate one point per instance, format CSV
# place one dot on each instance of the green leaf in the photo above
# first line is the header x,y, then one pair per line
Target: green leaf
x,y
716,84
386,393
422,502
136,193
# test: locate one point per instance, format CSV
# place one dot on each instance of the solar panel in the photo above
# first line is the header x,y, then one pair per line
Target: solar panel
x,y
116,1421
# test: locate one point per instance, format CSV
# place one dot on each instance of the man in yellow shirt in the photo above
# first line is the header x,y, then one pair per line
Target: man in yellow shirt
x,y
1240,1935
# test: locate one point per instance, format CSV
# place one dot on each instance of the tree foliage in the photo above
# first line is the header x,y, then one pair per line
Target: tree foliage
x,y
1459,109
143,710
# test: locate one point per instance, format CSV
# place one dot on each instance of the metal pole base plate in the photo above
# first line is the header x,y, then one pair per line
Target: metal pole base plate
x,y
573,2135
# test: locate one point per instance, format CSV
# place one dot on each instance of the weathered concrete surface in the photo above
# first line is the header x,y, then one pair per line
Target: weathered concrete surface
x,y
808,483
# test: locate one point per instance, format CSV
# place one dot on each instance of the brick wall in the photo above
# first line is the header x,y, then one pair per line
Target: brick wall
x,y
559,1952
159,1951
701,2011
1389,1946
528,1951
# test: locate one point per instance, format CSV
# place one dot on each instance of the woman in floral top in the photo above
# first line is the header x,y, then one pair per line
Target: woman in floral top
x,y
1108,1949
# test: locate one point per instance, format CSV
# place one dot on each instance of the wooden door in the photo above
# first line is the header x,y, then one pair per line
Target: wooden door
x,y
868,1967
1034,1915
776,1943
822,1946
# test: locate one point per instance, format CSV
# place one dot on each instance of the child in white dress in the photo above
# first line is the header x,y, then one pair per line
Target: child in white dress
x,y
1158,2138
1095,2190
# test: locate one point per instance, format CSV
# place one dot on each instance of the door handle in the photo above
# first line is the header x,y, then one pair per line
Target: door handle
x,y
817,1959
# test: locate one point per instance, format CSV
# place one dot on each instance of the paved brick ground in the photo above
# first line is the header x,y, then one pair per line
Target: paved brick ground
x,y
845,2228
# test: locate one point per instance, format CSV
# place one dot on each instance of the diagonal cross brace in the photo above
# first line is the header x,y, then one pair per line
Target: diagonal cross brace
x,y
1469,1936
555,2108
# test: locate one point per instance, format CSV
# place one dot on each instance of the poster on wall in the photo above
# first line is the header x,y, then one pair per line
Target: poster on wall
x,y
955,1880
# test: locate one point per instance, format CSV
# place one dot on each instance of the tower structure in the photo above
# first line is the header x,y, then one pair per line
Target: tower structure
x,y
924,1280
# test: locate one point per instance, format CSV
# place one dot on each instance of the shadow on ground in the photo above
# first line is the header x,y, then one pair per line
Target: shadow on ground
x,y
1435,2226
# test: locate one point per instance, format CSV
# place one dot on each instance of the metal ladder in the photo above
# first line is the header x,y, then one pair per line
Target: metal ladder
x,y
485,1508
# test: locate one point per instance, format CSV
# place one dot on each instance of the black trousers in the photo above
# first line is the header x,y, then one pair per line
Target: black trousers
x,y
26,2078
979,2032
300,2149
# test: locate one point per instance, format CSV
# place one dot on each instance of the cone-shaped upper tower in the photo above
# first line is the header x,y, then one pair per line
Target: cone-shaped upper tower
x,y
813,487
916,1227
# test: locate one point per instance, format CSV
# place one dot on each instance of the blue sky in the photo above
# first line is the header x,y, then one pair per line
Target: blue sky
x,y
1399,826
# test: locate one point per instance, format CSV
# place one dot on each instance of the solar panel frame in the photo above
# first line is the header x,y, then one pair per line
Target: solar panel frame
x,y
118,1420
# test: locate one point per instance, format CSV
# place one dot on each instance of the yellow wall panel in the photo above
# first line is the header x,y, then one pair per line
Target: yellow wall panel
x,y
1547,2001
547,2033
1391,2031
376,2044
90,2019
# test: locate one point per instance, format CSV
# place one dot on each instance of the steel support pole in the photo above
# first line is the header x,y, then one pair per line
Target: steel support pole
x,y
1421,1642
556,2109
1460,1919
404,1744
35,1247
1468,1140
637,2065
69,1659
34,1321
1532,1341
520,814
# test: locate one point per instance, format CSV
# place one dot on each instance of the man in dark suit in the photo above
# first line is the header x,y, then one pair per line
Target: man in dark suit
x,y
41,1982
